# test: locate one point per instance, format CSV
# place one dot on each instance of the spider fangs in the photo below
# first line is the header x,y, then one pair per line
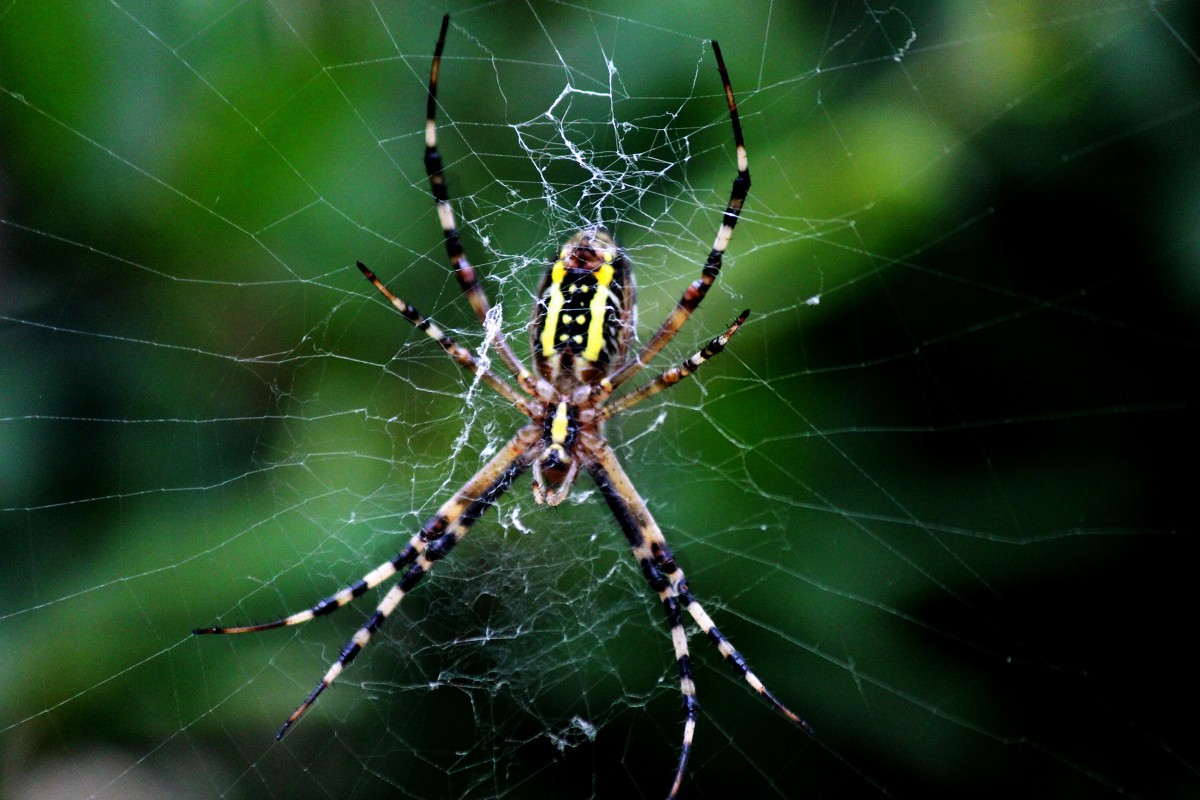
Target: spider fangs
x,y
580,330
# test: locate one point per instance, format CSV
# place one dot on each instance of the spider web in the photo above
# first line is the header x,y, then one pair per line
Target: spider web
x,y
931,491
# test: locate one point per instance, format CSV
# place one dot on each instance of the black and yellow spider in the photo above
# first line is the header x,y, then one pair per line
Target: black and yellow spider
x,y
580,330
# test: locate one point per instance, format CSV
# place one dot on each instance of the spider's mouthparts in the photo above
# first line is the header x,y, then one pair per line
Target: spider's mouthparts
x,y
554,473
556,459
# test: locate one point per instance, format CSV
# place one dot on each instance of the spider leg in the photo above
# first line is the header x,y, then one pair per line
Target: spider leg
x,y
436,539
462,355
340,598
433,530
674,375
695,293
463,270
665,577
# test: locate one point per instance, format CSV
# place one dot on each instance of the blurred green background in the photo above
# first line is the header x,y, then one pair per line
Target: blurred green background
x,y
939,491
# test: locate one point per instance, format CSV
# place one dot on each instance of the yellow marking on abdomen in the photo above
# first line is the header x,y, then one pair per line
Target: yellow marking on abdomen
x,y
598,308
553,308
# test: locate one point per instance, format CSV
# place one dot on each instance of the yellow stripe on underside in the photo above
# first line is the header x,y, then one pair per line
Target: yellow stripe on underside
x,y
558,428
598,308
553,308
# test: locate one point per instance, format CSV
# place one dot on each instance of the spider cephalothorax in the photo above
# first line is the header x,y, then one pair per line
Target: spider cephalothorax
x,y
582,323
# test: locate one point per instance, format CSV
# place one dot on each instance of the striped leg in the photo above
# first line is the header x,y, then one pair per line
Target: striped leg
x,y
459,353
665,577
635,522
416,545
436,539
675,374
463,270
695,293
733,657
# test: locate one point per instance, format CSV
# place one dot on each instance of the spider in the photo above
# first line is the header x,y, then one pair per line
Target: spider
x,y
580,331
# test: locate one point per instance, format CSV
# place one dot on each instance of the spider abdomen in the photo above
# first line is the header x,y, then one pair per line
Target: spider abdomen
x,y
582,319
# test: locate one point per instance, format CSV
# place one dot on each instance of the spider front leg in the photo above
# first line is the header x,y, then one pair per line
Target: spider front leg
x,y
434,541
667,579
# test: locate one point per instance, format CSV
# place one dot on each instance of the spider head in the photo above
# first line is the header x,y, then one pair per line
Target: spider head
x,y
555,468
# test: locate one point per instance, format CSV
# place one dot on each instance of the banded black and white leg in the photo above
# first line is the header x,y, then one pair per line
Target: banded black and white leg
x,y
463,271
469,361
667,579
696,291
674,375
434,541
